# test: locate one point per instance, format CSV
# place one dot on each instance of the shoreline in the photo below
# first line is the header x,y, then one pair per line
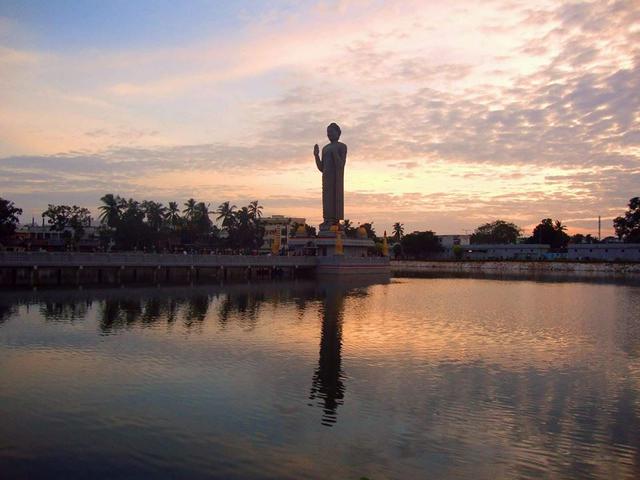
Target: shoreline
x,y
401,268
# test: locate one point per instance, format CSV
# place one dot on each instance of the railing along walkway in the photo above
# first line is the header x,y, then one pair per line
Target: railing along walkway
x,y
78,259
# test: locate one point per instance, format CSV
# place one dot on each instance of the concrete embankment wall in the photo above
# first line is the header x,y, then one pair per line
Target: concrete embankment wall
x,y
591,269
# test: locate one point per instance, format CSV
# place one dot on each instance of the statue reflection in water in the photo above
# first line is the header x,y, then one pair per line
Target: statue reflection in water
x,y
327,387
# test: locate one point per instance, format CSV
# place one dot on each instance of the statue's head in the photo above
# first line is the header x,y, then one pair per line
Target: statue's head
x,y
333,132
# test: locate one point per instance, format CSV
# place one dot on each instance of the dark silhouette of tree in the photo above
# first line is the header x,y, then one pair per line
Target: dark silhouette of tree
x,y
63,218
420,244
226,213
550,233
398,231
255,210
172,216
8,218
498,232
190,209
111,210
349,230
371,233
628,227
577,238
154,214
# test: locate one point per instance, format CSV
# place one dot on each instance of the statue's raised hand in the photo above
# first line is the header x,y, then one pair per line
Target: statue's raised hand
x,y
316,150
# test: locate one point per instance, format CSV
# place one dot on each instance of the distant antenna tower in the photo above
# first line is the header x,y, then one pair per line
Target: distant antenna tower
x,y
599,228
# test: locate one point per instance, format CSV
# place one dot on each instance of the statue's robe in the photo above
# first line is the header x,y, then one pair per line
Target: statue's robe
x,y
334,157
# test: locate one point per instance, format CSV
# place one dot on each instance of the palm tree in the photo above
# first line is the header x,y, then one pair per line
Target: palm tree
x,y
172,216
349,229
255,210
155,213
190,210
398,230
111,210
226,214
243,217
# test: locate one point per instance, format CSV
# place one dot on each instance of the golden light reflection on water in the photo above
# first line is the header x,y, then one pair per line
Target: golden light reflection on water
x,y
454,377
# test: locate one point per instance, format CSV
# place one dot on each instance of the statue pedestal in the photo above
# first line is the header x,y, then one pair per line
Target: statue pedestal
x,y
326,245
354,259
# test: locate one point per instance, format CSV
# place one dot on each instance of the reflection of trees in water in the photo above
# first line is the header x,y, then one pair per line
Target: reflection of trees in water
x,y
6,311
246,305
117,313
65,311
327,385
196,309
192,310
628,326
580,421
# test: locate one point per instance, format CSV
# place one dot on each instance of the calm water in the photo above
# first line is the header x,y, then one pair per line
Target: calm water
x,y
417,378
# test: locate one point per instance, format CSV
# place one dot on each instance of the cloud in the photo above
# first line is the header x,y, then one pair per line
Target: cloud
x,y
485,111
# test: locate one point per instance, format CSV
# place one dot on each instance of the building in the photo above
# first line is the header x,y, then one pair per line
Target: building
x,y
278,227
606,252
41,237
448,241
521,251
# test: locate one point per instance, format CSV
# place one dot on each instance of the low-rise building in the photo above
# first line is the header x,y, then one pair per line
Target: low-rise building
x,y
278,228
606,252
448,241
521,251
41,237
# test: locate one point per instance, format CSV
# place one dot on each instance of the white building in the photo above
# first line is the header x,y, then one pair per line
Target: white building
x,y
448,241
278,226
521,251
33,236
607,252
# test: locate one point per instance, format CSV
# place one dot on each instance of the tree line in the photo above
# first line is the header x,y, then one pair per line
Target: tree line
x,y
128,224
548,231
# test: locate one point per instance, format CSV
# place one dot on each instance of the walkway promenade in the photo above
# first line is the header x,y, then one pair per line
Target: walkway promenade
x,y
133,259
76,268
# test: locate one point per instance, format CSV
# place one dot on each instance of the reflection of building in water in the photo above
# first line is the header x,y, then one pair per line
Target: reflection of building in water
x,y
327,383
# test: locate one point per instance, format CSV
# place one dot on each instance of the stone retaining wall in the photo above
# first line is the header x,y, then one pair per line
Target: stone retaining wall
x,y
514,267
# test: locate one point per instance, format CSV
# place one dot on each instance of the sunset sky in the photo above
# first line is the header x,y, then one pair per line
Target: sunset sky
x,y
456,113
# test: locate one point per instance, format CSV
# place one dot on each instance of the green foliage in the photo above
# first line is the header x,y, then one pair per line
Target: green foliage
x,y
255,210
129,224
310,231
226,213
8,218
457,252
398,231
349,230
371,233
420,244
498,232
550,233
628,227
64,217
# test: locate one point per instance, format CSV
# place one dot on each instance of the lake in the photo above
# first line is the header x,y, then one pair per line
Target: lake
x,y
412,378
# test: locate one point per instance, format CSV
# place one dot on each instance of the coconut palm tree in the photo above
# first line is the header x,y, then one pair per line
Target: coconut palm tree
x,y
111,211
349,229
226,213
172,216
154,212
398,230
255,210
190,210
